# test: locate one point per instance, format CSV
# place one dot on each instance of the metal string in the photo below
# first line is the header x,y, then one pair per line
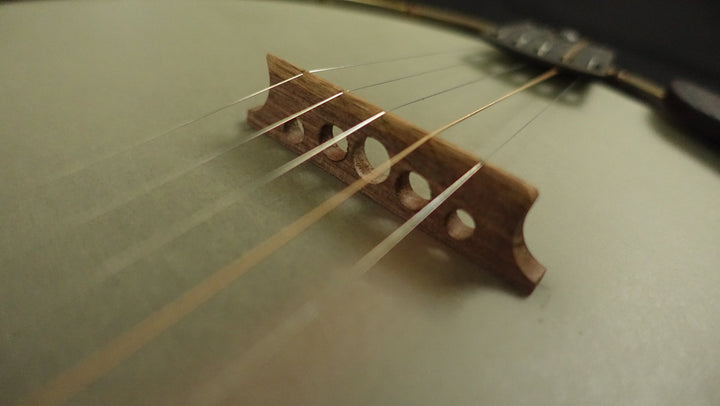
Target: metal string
x,y
69,383
414,75
379,61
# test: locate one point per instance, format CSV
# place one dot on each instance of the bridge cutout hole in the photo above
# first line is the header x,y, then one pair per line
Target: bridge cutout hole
x,y
460,224
413,190
293,131
337,151
371,155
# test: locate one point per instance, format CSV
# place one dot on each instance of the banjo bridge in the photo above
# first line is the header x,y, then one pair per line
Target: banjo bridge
x,y
497,201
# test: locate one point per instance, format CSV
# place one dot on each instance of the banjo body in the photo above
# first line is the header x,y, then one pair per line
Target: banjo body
x,y
106,218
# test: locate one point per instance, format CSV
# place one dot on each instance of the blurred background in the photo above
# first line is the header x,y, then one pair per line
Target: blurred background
x,y
662,39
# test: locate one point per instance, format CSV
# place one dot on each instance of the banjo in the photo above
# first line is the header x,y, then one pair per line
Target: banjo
x,y
145,190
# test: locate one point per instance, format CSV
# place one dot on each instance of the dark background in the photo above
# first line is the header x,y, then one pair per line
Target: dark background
x,y
661,39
